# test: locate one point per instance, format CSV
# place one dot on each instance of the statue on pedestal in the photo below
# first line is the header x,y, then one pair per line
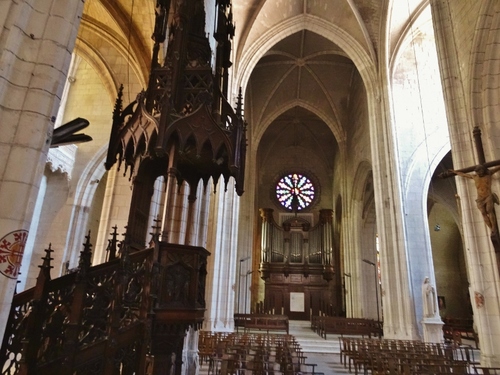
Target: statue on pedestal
x,y
429,299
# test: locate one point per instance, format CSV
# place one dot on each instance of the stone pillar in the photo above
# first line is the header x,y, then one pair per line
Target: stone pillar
x,y
200,236
190,358
36,42
114,212
186,227
452,23
222,243
191,222
399,319
31,258
169,196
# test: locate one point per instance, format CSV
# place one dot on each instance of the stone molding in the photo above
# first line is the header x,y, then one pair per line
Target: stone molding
x,y
62,159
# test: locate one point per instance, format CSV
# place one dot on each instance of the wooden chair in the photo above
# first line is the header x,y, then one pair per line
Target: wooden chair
x,y
487,370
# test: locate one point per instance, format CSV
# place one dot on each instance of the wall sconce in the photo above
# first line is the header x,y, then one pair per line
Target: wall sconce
x,y
437,228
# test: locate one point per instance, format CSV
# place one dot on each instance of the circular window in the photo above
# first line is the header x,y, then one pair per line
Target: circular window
x,y
295,191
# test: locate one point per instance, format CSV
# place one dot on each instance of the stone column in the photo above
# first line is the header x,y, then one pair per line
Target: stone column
x,y
169,196
200,236
452,23
190,358
177,218
399,319
222,241
191,222
37,38
31,258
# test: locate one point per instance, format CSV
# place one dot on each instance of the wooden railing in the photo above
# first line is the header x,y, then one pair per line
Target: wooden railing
x,y
456,330
92,321
324,325
102,320
264,322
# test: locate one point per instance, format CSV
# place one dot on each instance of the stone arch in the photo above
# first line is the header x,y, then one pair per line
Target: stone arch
x,y
130,32
84,195
363,241
99,65
353,49
88,33
337,131
416,21
421,144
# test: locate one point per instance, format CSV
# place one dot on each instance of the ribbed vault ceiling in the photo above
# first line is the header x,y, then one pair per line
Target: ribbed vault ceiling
x,y
300,90
303,68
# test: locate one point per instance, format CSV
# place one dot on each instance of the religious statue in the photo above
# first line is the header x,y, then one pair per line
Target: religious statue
x,y
486,199
428,298
172,364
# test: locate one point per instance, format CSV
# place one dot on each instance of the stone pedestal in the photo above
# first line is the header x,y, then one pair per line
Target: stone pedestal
x,y
433,329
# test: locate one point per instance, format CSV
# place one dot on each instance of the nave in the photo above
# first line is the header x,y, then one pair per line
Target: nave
x,y
356,355
324,354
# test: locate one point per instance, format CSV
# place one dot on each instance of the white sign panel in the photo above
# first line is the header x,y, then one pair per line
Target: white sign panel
x,y
296,302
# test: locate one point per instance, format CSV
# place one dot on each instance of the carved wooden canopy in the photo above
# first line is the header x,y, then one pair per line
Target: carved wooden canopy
x,y
183,119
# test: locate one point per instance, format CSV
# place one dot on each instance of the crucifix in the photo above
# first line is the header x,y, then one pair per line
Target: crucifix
x,y
482,176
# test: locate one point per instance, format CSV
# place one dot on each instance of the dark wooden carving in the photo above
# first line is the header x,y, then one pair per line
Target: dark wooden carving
x,y
100,319
183,121
107,319
92,321
180,304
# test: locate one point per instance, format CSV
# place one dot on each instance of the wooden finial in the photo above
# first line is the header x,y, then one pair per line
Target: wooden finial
x,y
112,244
85,257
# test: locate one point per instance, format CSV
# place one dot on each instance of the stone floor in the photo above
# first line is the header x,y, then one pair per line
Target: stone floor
x,y
325,353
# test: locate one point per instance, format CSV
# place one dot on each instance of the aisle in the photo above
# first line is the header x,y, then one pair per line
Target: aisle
x,y
325,353
310,341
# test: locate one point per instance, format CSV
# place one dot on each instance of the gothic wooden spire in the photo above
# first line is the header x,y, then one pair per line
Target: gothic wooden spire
x,y
183,121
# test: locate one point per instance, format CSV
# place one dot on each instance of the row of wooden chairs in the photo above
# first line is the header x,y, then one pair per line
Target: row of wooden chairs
x,y
324,325
252,354
457,330
207,344
407,357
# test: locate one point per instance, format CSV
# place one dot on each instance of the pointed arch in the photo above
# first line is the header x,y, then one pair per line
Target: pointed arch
x,y
363,61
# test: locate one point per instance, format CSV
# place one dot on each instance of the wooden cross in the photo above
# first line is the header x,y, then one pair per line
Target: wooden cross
x,y
495,238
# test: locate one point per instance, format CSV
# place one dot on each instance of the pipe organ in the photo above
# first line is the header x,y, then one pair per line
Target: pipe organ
x,y
300,266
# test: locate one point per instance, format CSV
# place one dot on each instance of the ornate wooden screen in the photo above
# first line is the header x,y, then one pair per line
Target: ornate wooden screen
x,y
92,321
110,318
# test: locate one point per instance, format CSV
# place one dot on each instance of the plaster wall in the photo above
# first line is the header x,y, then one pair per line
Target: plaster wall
x,y
449,264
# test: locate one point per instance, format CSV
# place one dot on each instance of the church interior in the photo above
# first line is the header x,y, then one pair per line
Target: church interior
x,y
174,167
